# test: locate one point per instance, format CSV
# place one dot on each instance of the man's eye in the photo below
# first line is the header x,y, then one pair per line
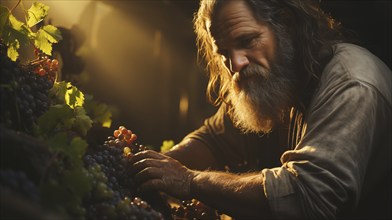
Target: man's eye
x,y
247,42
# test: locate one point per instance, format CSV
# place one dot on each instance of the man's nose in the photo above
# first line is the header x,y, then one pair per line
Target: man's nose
x,y
237,61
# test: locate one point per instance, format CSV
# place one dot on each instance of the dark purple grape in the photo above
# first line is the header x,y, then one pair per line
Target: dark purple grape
x,y
113,163
18,183
23,93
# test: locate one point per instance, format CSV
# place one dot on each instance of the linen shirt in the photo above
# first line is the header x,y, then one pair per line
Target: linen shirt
x,y
332,162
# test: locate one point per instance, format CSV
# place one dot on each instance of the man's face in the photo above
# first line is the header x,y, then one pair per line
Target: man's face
x,y
260,63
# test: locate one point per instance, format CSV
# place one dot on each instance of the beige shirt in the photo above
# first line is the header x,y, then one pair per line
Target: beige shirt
x,y
340,167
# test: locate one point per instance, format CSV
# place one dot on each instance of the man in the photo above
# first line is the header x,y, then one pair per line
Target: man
x,y
304,121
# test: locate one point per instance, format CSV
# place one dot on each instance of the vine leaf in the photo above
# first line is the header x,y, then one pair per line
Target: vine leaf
x,y
45,37
58,142
12,51
56,115
58,91
14,33
4,15
36,13
77,149
167,145
74,97
74,182
21,29
61,117
73,149
83,122
99,112
77,180
65,92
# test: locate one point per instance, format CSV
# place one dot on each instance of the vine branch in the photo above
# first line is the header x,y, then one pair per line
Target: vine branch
x,y
16,5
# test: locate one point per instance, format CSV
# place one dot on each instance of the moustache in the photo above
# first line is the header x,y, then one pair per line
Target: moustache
x,y
252,70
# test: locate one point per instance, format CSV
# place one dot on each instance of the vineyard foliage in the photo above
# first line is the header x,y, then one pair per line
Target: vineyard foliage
x,y
69,117
15,33
46,124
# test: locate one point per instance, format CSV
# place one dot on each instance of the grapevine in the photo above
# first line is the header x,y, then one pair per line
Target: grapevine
x,y
15,33
114,188
44,126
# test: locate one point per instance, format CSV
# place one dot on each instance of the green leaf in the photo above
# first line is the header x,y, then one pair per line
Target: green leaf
x,y
45,37
14,34
73,96
83,122
58,142
167,145
57,92
78,181
52,33
36,13
57,115
19,26
42,43
68,123
65,93
99,112
107,122
12,51
4,18
74,150
77,148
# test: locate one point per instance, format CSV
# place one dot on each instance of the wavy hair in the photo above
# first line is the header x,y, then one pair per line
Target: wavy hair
x,y
312,31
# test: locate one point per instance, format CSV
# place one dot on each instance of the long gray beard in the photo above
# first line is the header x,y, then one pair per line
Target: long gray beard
x,y
263,99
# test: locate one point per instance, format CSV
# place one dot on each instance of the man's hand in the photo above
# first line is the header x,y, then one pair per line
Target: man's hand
x,y
157,171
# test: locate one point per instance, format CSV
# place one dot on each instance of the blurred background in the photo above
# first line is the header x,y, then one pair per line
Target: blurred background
x,y
139,57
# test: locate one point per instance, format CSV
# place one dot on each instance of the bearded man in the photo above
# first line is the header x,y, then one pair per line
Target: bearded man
x,y
303,128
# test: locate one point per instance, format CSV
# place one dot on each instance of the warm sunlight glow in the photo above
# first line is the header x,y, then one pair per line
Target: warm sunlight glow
x,y
184,105
157,43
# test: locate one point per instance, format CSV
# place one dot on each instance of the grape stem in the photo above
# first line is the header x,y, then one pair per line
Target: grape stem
x,y
35,62
16,5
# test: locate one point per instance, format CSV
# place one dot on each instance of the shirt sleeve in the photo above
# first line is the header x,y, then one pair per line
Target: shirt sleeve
x,y
325,172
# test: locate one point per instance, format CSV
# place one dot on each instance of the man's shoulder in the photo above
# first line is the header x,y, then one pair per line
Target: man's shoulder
x,y
354,63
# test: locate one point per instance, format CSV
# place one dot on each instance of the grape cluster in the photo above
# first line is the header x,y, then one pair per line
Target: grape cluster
x,y
44,66
113,195
193,209
17,182
23,94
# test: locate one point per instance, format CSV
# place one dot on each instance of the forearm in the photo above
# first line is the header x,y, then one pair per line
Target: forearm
x,y
193,154
235,195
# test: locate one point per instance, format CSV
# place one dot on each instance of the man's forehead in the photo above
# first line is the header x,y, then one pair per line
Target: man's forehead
x,y
230,16
230,22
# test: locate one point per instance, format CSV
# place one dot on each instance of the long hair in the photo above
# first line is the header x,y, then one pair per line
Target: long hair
x,y
312,31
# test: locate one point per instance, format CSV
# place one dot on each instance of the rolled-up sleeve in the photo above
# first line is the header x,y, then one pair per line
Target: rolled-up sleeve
x,y
325,172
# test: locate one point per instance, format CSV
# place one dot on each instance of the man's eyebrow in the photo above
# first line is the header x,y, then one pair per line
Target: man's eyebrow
x,y
219,42
245,36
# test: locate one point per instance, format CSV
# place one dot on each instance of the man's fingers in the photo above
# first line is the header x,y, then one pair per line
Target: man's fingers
x,y
150,185
148,174
142,164
146,154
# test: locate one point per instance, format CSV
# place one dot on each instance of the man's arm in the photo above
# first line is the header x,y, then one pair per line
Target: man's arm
x,y
194,154
235,195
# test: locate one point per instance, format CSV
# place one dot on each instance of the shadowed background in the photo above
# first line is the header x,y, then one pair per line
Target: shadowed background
x,y
139,57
